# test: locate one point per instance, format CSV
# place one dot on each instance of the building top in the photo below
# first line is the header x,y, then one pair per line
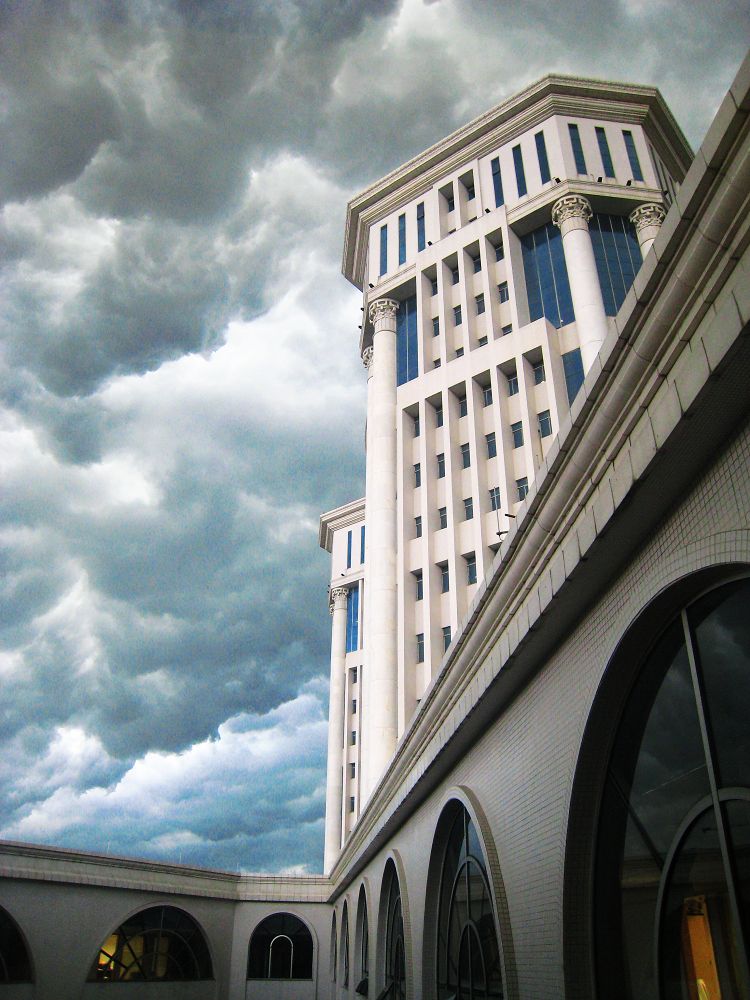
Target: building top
x,y
551,95
338,518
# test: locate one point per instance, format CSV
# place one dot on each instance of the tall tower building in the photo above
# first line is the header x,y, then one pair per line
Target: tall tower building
x,y
492,266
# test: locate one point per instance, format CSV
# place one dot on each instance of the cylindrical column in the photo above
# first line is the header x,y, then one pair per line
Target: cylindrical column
x,y
381,705
335,774
647,220
571,215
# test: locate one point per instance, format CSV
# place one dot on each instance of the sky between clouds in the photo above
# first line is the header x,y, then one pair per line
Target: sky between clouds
x,y
180,388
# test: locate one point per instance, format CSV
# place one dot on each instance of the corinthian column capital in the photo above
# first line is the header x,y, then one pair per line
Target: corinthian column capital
x,y
383,310
337,598
574,209
647,215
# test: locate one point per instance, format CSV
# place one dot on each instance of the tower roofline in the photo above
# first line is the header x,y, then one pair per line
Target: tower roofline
x,y
553,94
340,517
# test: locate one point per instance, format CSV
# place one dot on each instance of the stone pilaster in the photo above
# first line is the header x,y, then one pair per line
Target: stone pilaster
x,y
336,736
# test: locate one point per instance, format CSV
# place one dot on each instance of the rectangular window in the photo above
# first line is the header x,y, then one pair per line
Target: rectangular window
x,y
417,474
539,373
471,569
479,300
463,406
435,326
353,675
459,352
417,527
417,427
495,498
575,142
438,416
383,249
508,328
541,152
419,585
402,239
470,193
520,174
348,550
445,580
500,251
420,647
601,138
497,182
442,517
513,385
617,255
441,466
476,264
450,201
545,423
573,369
465,456
362,544
635,163
482,341
546,275
352,619
353,738
433,286
502,291
351,803
487,395
454,276
420,226
352,771
457,315
354,706
468,508
517,432
522,485
406,341
491,445
446,637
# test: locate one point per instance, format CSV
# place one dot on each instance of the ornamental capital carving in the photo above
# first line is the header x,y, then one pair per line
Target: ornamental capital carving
x,y
367,355
571,206
383,309
337,598
647,215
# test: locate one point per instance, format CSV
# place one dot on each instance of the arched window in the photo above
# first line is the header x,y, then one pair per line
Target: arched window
x,y
161,943
15,964
395,956
345,947
672,890
362,947
467,953
334,947
281,947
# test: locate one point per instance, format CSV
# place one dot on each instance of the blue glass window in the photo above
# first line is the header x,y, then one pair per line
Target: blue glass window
x,y
495,498
420,647
348,550
541,152
419,585
502,291
420,226
520,173
457,315
402,239
635,163
547,284
573,368
522,486
499,251
383,249
446,637
362,544
406,341
617,255
545,423
471,569
497,183
491,445
435,326
352,620
601,138
517,432
575,142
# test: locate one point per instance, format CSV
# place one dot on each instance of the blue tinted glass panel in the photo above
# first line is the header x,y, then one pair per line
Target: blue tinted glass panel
x,y
497,183
575,142
573,368
406,341
601,138
352,620
520,174
635,163
420,226
383,249
362,544
401,239
617,255
541,152
547,283
348,549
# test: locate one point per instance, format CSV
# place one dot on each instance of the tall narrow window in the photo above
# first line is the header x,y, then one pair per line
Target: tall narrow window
x,y
491,445
635,163
435,326
487,395
407,358
438,416
495,498
418,585
420,226
402,239
446,637
417,427
617,255
383,249
463,406
465,455
471,568
420,647
348,550
601,138
520,173
433,286
522,487
513,384
545,423
362,544
502,291
541,152
500,251
575,142
573,369
352,619
476,263
546,275
539,374
418,527
417,474
441,466
497,182
517,431
450,201
442,517
468,508
457,315
479,302
445,580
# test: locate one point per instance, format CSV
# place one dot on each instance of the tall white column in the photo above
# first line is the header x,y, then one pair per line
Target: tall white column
x,y
647,220
381,681
335,774
571,215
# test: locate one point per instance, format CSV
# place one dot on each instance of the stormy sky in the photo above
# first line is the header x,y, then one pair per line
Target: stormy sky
x,y
180,388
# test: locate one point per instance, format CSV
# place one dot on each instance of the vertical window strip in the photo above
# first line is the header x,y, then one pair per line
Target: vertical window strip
x,y
348,550
520,173
617,256
420,226
497,182
402,239
541,152
362,544
383,249
575,142
407,360
635,163
547,285
352,620
573,369
601,138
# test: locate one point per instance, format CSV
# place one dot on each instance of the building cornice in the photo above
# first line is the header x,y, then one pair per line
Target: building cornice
x,y
338,518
